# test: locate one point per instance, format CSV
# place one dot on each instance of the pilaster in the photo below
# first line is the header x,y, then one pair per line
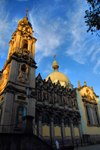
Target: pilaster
x,y
72,131
6,119
52,130
62,130
39,125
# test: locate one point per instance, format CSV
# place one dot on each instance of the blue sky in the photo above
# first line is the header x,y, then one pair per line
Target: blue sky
x,y
60,29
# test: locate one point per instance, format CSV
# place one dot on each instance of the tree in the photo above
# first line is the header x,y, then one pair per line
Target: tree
x,y
92,16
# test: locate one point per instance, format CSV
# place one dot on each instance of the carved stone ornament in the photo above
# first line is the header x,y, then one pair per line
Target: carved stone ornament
x,y
4,78
23,74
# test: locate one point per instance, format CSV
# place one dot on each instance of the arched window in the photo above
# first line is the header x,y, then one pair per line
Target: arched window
x,y
66,121
57,120
88,116
21,112
75,122
45,118
25,44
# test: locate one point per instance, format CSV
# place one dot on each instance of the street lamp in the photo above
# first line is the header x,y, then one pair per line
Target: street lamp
x,y
28,92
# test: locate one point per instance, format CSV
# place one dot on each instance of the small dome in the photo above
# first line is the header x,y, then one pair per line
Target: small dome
x,y
55,65
24,21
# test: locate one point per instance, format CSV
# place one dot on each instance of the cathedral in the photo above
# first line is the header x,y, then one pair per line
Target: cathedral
x,y
61,113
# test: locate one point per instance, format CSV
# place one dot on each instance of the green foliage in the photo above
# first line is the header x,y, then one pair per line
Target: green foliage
x,y
92,16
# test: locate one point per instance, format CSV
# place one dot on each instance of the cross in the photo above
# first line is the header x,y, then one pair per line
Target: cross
x,y
27,11
54,56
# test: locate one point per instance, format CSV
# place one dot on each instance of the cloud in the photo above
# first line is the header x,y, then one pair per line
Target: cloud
x,y
97,67
48,30
5,27
95,54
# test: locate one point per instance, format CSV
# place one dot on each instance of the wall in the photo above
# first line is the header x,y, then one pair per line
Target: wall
x,y
88,129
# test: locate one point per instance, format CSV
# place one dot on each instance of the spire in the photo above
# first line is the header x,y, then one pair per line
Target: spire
x,y
55,65
79,84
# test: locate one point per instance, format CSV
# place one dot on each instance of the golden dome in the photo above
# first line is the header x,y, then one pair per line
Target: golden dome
x,y
55,76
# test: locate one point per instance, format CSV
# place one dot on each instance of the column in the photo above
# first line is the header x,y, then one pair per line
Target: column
x,y
33,49
42,94
97,116
90,114
10,49
80,130
52,130
39,125
53,97
72,131
29,44
37,94
48,96
18,40
62,130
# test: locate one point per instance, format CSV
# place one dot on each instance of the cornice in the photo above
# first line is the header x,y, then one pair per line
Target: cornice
x,y
20,58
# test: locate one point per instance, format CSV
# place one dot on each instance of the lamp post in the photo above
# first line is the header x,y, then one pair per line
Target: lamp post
x,y
28,92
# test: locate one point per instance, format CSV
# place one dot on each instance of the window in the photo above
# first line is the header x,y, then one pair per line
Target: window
x,y
75,122
66,121
87,113
45,118
97,115
25,44
57,120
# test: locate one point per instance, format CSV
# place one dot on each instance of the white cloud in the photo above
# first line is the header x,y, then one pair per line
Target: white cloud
x,y
46,32
95,54
97,67
5,26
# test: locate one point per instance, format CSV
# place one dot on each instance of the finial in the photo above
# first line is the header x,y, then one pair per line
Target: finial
x,y
79,84
84,83
92,88
27,11
54,57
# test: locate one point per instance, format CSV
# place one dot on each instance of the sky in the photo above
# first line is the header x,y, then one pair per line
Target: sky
x,y
60,29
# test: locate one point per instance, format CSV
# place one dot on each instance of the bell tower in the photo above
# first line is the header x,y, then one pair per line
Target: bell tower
x,y
18,73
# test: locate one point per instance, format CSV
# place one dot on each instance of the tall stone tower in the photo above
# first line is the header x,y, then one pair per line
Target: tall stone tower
x,y
17,74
